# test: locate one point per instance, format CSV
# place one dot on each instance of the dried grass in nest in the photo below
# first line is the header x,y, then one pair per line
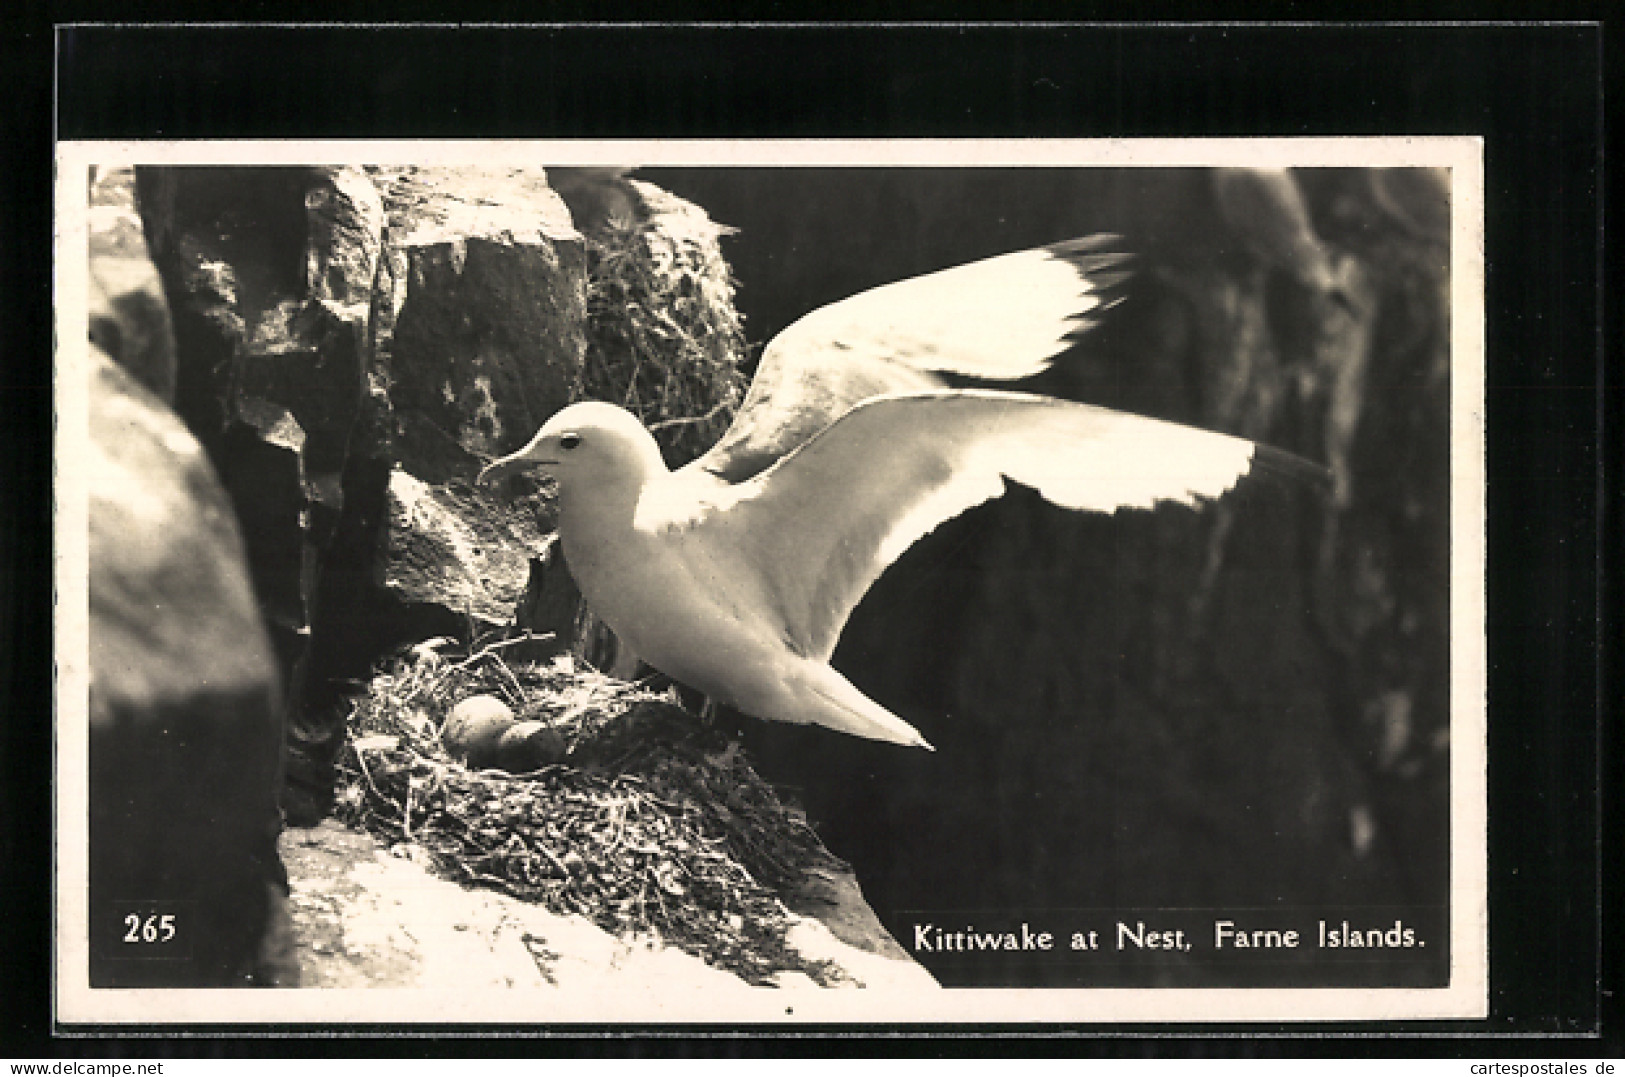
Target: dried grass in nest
x,y
664,339
654,824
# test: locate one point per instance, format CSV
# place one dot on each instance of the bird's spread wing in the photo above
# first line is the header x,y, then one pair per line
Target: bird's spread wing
x,y
823,523
999,319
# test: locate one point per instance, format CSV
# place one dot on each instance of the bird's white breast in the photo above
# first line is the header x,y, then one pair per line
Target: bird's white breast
x,y
673,593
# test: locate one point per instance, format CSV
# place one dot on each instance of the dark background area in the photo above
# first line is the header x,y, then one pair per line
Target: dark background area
x,y
1532,91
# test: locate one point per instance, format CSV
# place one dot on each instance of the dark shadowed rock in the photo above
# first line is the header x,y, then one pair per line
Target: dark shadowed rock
x,y
269,273
354,343
552,606
185,737
551,600
451,548
597,198
480,310
480,316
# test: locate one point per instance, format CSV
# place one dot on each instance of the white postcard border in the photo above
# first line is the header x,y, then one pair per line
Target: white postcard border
x,y
1466,996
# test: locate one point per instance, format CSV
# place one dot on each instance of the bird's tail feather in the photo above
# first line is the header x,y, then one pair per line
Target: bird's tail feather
x,y
845,709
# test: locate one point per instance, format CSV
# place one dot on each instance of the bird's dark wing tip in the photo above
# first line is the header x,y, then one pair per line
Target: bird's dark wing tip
x,y
1103,267
1268,460
1082,245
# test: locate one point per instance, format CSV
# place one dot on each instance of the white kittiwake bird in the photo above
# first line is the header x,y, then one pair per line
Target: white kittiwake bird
x,y
736,573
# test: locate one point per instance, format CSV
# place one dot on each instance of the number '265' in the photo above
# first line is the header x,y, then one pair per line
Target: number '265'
x,y
151,928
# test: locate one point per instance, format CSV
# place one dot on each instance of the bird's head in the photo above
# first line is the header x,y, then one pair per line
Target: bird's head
x,y
586,446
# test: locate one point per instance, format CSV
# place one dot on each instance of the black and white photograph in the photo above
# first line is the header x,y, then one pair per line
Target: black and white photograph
x,y
840,582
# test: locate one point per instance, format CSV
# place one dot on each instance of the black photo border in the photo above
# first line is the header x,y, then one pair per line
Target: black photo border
x,y
1533,91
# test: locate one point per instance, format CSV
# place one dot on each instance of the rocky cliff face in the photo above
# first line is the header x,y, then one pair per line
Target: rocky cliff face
x,y
353,343
185,739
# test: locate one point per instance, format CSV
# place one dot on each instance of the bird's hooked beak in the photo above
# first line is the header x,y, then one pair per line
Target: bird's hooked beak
x,y
508,465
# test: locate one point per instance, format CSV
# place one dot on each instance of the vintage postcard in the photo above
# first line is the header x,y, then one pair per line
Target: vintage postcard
x,y
745,584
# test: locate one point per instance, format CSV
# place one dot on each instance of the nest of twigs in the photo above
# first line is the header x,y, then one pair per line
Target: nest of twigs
x,y
664,339
653,826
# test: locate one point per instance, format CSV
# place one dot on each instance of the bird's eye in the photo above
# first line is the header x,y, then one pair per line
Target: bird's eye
x,y
569,441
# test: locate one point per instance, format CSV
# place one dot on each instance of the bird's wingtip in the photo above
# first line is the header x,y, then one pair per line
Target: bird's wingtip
x,y
1101,264
1099,241
1278,462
